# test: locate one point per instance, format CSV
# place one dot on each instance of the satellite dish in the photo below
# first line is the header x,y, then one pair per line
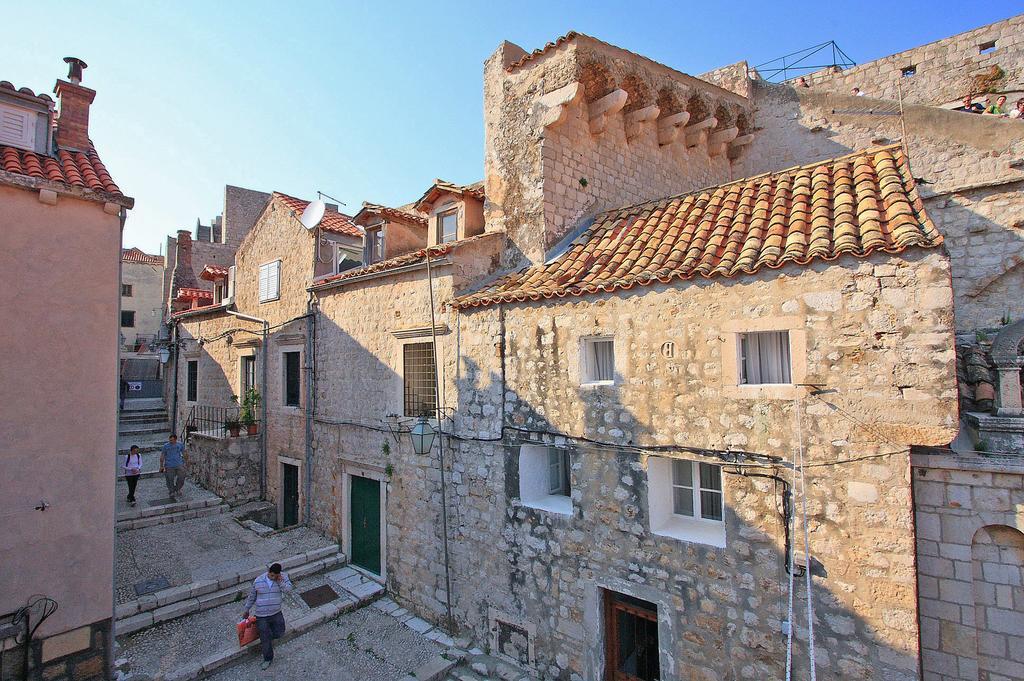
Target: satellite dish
x,y
313,214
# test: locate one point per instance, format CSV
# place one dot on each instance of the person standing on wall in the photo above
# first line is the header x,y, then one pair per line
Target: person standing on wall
x,y
172,465
265,602
132,471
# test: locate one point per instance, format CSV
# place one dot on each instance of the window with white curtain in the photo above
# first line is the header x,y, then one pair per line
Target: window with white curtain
x,y
270,281
764,357
598,360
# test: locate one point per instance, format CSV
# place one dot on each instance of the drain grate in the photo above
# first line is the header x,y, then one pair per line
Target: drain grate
x,y
148,586
318,596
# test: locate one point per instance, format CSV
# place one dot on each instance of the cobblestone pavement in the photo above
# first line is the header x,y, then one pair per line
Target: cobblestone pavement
x,y
202,548
365,645
154,489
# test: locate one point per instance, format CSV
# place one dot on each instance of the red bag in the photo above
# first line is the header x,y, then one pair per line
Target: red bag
x,y
247,631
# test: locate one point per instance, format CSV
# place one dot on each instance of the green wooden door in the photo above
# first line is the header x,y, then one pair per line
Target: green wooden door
x,y
365,517
290,494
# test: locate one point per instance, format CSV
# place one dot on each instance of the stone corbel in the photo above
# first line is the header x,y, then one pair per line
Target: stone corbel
x,y
635,118
669,126
737,144
601,109
697,132
554,106
718,141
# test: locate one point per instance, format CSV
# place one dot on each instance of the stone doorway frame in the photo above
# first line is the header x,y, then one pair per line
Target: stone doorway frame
x,y
364,470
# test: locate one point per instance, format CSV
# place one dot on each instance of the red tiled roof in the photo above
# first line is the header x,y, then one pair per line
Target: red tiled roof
x,y
393,213
476,190
853,205
389,264
214,272
77,169
138,256
333,221
558,42
8,85
194,293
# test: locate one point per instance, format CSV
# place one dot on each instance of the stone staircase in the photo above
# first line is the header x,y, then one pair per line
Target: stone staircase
x,y
147,426
475,666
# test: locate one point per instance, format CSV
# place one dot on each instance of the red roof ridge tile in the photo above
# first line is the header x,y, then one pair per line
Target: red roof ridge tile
x,y
333,221
797,216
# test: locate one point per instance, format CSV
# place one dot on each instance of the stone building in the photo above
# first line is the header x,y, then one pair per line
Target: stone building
x,y
692,349
142,304
59,391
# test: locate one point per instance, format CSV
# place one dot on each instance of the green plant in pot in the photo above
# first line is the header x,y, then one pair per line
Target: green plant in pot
x,y
233,427
250,403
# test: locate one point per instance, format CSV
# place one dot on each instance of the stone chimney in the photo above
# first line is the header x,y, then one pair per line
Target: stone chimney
x,y
74,99
182,276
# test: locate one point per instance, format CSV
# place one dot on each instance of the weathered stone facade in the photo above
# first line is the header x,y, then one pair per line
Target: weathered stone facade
x,y
944,71
227,466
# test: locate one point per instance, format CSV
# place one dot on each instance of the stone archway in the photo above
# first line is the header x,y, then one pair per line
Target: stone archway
x,y
997,556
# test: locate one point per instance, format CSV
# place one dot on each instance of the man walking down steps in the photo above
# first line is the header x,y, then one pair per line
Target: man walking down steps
x,y
265,595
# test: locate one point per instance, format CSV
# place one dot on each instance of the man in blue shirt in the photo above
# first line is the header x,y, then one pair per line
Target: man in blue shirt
x,y
172,465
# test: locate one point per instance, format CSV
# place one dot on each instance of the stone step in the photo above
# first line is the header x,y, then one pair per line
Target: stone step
x,y
178,601
169,518
144,428
155,417
475,666
143,403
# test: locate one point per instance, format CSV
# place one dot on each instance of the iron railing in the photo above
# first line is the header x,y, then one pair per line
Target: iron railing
x,y
212,421
799,63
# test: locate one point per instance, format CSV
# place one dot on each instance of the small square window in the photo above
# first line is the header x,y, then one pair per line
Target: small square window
x,y
344,259
544,478
764,357
128,318
985,48
685,500
126,290
447,227
908,71
598,361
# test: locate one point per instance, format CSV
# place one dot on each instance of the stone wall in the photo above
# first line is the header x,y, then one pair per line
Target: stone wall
x,y
970,546
588,127
945,70
968,164
146,300
227,466
878,334
82,654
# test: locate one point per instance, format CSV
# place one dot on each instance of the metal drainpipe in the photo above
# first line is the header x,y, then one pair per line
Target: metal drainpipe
x,y
310,378
263,398
174,395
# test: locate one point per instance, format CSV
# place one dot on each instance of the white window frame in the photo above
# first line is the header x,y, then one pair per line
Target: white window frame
x,y
218,292
535,485
452,212
340,253
272,268
750,342
374,233
588,361
661,485
25,121
231,283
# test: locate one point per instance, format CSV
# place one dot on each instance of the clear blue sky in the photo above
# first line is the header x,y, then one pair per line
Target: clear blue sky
x,y
371,101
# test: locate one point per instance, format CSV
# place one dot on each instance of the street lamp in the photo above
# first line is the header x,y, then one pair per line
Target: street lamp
x,y
422,435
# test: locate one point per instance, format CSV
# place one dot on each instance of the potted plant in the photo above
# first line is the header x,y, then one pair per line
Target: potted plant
x,y
233,427
249,405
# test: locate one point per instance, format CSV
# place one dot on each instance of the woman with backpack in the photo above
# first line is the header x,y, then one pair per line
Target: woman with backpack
x,y
132,471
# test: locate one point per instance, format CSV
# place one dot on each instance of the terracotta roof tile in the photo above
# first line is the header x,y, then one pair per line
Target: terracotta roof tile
x,y
393,213
852,205
558,42
138,256
476,190
76,169
214,272
333,221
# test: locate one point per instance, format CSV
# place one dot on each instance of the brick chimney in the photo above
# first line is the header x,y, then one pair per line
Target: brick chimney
x,y
182,276
73,119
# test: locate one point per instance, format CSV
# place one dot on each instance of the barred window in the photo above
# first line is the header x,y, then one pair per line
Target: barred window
x,y
192,381
420,379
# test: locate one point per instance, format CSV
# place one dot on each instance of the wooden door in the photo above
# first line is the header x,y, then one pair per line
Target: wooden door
x,y
364,513
631,639
289,494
